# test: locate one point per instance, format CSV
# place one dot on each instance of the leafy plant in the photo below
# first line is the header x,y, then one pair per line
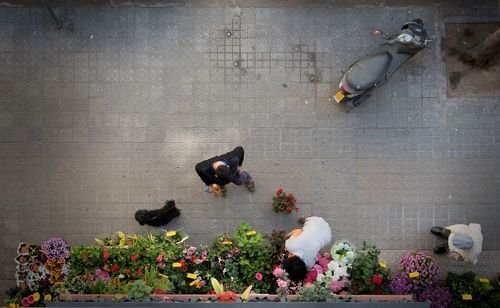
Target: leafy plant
x,y
315,292
139,291
366,274
277,246
483,294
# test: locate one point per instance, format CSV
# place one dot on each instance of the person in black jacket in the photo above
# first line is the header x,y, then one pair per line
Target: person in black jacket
x,y
218,171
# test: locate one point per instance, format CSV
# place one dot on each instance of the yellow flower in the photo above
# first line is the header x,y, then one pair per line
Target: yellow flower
x,y
12,305
36,296
47,298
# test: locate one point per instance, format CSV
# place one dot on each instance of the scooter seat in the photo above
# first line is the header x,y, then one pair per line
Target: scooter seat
x,y
369,70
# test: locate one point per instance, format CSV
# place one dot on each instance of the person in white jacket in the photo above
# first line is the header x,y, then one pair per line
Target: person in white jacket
x,y
303,245
465,242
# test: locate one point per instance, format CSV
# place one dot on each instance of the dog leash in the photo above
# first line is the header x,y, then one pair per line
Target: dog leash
x,y
190,198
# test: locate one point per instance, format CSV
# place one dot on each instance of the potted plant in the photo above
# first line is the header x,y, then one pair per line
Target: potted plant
x,y
284,203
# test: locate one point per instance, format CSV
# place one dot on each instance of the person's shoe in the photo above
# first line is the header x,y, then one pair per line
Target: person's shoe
x,y
437,230
251,185
440,249
223,191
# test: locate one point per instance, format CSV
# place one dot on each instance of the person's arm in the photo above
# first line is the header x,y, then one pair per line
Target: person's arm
x,y
201,169
240,153
294,233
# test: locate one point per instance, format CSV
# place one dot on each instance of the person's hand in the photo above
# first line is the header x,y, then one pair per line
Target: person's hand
x,y
215,189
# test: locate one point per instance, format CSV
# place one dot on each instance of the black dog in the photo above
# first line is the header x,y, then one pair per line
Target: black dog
x,y
160,217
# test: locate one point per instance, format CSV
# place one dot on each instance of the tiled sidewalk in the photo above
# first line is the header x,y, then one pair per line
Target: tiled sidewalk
x,y
112,117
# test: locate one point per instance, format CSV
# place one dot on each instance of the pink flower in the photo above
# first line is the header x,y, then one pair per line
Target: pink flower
x,y
105,256
282,283
25,303
278,271
258,276
31,299
279,191
311,276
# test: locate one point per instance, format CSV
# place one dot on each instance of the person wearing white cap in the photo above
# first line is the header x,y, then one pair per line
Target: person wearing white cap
x,y
464,241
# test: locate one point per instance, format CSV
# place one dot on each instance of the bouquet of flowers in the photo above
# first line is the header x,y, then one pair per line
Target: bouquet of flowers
x,y
417,272
418,275
343,253
336,277
284,203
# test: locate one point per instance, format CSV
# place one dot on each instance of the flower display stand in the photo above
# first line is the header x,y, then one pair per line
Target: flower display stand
x,y
262,300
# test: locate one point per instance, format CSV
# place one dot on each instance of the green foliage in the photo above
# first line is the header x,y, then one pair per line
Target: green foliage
x,y
139,291
315,292
483,294
238,258
85,260
364,267
277,245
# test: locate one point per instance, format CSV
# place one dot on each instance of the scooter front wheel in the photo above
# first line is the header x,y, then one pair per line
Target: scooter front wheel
x,y
360,99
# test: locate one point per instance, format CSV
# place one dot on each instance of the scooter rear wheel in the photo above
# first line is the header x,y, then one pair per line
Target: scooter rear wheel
x,y
418,21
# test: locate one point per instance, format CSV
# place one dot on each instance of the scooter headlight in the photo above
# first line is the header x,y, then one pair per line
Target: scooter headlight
x,y
405,38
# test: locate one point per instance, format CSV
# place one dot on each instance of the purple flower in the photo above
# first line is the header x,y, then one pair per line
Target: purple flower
x,y
439,297
56,248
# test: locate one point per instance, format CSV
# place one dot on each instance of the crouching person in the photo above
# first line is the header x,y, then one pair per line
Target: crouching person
x,y
464,243
302,246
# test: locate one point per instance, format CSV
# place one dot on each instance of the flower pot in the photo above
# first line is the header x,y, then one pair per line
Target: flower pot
x,y
206,297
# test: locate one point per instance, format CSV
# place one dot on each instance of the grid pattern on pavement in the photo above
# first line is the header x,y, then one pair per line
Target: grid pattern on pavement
x,y
112,117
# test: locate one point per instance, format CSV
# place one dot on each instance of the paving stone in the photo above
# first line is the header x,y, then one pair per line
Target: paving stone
x,y
112,117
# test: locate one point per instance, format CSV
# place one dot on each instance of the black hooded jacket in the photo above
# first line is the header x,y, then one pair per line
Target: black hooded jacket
x,y
207,172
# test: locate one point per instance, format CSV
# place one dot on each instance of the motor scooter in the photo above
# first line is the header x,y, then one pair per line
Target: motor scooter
x,y
374,69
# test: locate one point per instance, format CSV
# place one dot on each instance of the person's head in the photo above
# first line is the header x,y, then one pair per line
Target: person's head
x,y
296,268
223,172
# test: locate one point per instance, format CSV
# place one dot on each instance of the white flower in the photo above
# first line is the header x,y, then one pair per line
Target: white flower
x,y
121,276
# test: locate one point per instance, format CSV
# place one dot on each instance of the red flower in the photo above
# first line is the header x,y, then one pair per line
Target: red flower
x,y
134,257
194,259
377,279
126,271
290,196
183,264
158,259
139,272
114,268
279,191
227,297
160,291
105,256
211,292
